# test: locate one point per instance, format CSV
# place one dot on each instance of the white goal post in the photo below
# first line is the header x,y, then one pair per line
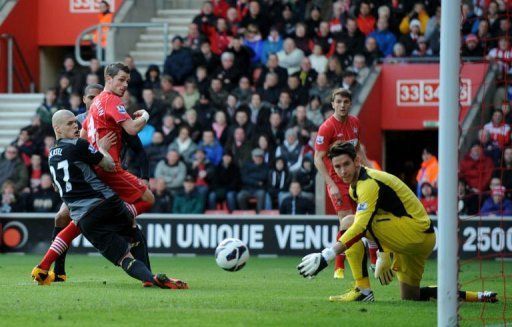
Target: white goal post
x,y
447,263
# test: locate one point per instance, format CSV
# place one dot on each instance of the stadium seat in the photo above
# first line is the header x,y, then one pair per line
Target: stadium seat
x,y
269,212
216,212
244,212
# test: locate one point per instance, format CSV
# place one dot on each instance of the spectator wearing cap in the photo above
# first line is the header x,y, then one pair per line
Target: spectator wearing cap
x,y
290,57
410,40
189,200
179,63
228,73
254,183
350,82
497,204
471,47
172,170
418,13
365,19
296,203
225,183
384,37
273,44
476,168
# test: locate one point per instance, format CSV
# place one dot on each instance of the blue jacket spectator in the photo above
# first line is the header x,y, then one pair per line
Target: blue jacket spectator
x,y
211,147
497,204
179,63
385,39
253,40
273,44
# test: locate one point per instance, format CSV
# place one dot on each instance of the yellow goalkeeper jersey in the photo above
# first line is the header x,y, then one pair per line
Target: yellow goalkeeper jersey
x,y
389,211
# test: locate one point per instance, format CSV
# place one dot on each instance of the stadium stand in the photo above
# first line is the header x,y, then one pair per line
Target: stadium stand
x,y
258,74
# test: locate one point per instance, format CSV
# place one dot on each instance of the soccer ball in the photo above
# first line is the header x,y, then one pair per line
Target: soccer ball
x,y
231,254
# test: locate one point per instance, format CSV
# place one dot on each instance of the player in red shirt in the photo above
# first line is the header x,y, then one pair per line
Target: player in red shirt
x,y
108,114
341,127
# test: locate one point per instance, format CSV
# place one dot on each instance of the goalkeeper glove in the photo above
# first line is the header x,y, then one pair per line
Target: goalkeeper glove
x,y
383,269
314,263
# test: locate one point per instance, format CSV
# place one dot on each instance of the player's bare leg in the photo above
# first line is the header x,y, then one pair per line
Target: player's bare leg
x,y
339,262
143,204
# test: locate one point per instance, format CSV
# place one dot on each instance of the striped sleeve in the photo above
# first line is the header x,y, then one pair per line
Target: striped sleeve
x,y
367,199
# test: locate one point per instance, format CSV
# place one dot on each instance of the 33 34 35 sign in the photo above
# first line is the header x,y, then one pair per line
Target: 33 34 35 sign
x,y
425,92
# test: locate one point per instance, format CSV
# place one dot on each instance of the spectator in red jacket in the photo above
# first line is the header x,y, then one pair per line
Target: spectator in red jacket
x,y
365,20
498,130
476,168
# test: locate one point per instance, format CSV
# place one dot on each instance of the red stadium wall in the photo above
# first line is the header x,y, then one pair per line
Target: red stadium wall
x,y
20,23
60,21
410,94
35,23
370,118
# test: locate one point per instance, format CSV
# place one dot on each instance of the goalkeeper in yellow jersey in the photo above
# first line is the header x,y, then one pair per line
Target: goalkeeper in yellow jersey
x,y
389,213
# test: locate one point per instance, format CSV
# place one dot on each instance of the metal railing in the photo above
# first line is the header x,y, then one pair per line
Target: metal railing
x,y
15,72
101,55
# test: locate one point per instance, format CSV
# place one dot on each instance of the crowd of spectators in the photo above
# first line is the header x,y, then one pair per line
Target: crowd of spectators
x,y
234,112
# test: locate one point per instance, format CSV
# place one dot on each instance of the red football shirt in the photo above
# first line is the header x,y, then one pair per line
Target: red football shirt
x,y
332,131
105,115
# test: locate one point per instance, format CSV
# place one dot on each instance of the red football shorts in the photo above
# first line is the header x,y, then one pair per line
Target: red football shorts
x,y
345,202
125,184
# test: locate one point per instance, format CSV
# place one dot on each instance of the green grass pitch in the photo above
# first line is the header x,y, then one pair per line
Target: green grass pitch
x,y
267,292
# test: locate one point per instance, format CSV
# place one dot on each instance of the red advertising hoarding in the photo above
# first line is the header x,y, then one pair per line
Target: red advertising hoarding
x,y
410,93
